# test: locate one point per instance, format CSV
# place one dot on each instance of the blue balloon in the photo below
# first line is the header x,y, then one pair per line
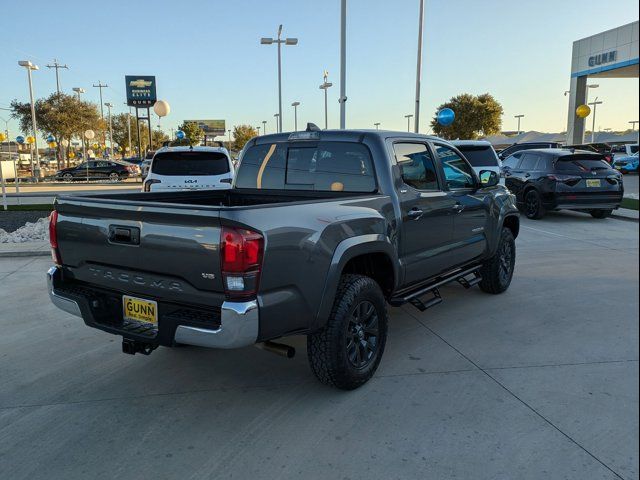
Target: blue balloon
x,y
51,138
20,139
180,135
446,116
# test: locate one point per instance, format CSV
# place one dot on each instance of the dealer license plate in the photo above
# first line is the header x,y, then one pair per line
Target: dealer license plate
x,y
593,182
139,309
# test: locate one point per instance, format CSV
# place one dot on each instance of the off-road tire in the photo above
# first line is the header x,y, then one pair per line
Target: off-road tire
x,y
327,349
494,277
600,213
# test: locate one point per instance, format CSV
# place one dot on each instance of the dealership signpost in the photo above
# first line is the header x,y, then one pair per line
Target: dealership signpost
x,y
141,94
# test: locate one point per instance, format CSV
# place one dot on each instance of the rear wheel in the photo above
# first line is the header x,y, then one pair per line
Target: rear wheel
x,y
600,213
67,177
497,272
347,351
533,208
114,176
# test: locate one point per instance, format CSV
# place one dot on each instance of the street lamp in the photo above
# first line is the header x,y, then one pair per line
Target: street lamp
x,y
229,141
258,129
408,117
343,64
35,171
295,106
419,67
78,90
377,124
519,117
632,122
279,41
595,104
278,125
264,127
109,105
325,86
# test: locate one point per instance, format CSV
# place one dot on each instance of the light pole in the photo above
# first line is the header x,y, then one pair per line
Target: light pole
x,y
258,129
277,117
295,115
264,127
343,64
408,117
325,86
519,117
416,125
595,104
57,66
229,141
279,41
377,124
632,122
78,90
109,105
129,129
35,170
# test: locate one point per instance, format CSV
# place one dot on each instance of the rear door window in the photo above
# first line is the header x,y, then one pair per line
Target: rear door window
x,y
190,163
325,166
416,166
483,156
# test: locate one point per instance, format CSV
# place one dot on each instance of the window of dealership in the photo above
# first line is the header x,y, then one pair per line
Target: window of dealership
x,y
610,54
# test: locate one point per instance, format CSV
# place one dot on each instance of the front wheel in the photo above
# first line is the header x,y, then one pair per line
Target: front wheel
x,y
497,272
600,213
347,351
114,176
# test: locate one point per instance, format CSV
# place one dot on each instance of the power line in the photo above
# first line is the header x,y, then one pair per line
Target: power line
x,y
101,86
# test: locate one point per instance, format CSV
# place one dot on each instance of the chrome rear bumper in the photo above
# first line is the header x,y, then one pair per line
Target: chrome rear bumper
x,y
238,325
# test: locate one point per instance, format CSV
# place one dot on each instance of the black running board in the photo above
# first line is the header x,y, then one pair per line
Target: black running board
x,y
467,278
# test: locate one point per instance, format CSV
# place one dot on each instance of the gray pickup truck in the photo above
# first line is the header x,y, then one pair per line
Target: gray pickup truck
x,y
321,230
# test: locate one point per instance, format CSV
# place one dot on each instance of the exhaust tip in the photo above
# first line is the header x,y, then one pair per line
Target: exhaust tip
x,y
281,349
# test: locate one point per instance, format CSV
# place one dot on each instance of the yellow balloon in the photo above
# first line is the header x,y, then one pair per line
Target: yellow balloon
x,y
3,137
30,139
583,111
72,155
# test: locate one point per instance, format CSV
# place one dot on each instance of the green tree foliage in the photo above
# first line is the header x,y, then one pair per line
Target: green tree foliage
x,y
241,135
121,134
475,116
193,134
63,116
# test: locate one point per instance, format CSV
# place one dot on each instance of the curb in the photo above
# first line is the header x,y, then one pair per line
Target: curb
x,y
25,253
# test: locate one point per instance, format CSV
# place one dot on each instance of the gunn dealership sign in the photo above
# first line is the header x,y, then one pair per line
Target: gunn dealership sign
x,y
603,58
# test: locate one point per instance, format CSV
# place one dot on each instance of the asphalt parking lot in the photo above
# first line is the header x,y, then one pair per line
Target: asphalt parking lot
x,y
540,382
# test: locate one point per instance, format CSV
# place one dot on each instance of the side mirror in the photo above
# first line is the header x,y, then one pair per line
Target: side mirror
x,y
489,178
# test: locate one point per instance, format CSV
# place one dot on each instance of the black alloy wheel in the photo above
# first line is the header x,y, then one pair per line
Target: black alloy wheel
x,y
362,335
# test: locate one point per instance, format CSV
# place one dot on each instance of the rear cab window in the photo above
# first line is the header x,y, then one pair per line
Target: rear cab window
x,y
316,166
192,163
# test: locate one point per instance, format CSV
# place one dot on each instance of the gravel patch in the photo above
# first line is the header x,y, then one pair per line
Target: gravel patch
x,y
31,231
12,220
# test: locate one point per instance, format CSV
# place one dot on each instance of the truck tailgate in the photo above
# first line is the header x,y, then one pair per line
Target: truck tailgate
x,y
151,250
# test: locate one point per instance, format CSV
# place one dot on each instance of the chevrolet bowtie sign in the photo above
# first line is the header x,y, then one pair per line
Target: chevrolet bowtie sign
x,y
141,90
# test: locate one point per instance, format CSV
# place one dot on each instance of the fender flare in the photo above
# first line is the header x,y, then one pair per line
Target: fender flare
x,y
345,251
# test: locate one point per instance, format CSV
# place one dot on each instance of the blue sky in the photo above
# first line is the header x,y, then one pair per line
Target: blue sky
x,y
209,63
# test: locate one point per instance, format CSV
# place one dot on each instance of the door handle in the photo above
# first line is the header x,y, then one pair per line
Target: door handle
x,y
415,213
458,207
527,175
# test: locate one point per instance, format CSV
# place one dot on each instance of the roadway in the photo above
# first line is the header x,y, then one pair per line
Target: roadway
x,y
539,382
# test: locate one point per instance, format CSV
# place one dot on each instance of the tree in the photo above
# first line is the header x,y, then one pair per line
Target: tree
x,y
241,135
63,116
475,116
120,124
193,134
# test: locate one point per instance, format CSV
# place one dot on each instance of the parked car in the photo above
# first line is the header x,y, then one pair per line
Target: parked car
x,y
96,170
144,168
627,164
517,147
625,150
480,154
189,168
555,179
322,229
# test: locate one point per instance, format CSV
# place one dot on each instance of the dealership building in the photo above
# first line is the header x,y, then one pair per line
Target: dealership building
x,y
610,54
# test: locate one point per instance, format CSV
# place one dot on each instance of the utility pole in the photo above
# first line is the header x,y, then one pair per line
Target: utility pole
x,y
57,66
343,63
325,86
419,68
101,86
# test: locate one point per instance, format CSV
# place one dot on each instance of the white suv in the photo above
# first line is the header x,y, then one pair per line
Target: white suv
x,y
189,168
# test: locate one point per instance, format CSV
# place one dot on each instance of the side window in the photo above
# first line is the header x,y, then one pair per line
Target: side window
x,y
457,171
416,166
529,161
512,161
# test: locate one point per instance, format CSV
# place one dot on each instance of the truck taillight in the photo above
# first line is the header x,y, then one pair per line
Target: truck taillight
x,y
53,238
241,253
